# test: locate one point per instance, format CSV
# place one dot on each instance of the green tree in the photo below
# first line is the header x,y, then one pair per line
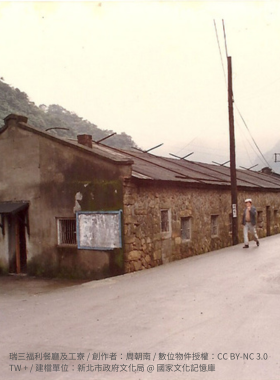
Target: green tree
x,y
62,122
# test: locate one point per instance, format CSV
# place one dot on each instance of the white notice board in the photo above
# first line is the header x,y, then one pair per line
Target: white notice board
x,y
99,230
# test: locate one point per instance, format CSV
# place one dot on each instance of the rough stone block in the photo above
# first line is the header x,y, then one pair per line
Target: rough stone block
x,y
157,255
147,258
141,211
178,240
130,239
128,200
137,265
134,255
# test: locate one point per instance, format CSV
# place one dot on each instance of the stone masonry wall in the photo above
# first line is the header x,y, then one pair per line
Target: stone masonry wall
x,y
146,246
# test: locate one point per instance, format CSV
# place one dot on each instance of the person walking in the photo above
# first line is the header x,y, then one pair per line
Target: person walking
x,y
249,222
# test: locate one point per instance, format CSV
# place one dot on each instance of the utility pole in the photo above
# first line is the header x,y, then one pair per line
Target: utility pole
x,y
232,157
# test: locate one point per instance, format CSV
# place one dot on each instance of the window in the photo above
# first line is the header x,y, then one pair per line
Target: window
x,y
66,228
214,225
275,217
164,214
260,219
186,228
165,223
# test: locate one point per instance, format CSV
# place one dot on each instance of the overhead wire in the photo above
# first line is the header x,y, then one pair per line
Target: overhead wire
x,y
243,120
256,145
225,37
180,150
225,77
247,143
217,36
185,146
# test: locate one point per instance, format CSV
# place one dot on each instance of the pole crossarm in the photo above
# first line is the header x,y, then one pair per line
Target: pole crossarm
x,y
276,157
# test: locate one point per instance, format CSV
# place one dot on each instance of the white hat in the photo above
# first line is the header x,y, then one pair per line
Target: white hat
x,y
248,200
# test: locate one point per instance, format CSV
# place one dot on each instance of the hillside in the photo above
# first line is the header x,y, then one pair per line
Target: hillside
x,y
12,100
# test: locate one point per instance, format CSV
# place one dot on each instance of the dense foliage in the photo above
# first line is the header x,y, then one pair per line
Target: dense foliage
x,y
63,123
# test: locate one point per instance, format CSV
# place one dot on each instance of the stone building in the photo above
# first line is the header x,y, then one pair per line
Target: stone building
x,y
176,208
83,210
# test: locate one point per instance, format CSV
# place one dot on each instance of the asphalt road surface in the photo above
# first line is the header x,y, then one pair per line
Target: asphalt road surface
x,y
214,316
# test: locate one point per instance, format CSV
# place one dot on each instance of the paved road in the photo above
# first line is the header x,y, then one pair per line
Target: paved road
x,y
185,320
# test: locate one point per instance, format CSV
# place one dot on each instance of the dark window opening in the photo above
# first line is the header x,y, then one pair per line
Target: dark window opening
x,y
164,220
214,225
67,231
186,228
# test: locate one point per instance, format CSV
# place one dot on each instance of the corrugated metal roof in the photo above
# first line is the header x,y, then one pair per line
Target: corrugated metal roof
x,y
149,166
146,166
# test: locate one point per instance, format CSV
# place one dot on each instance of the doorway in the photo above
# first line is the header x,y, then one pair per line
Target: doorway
x,y
17,242
14,225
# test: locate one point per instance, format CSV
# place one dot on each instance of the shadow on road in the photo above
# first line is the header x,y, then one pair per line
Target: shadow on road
x,y
21,284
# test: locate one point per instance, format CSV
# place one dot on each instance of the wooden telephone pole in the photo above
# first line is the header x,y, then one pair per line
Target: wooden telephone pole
x,y
232,157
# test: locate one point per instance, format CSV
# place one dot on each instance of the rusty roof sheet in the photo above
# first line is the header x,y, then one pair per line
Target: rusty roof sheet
x,y
148,166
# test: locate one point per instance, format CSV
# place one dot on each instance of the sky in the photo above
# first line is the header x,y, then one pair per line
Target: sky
x,y
154,70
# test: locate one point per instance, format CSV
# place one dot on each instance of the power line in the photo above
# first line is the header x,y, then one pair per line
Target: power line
x,y
256,145
220,51
224,30
245,143
225,38
180,150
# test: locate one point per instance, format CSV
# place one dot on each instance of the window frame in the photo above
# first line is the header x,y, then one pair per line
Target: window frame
x,y
61,241
165,233
260,220
275,220
186,228
214,225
